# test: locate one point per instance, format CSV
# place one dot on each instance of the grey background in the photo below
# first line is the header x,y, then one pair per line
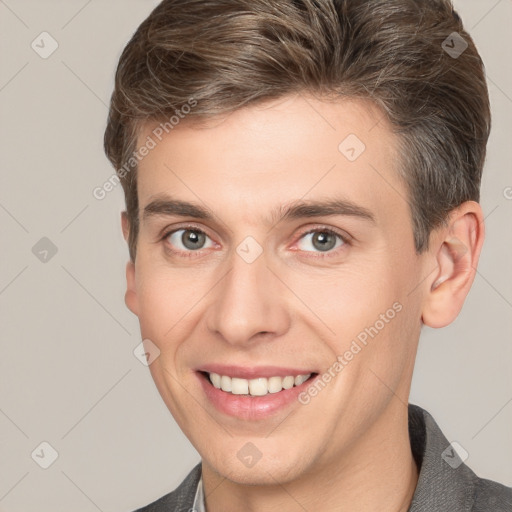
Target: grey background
x,y
68,375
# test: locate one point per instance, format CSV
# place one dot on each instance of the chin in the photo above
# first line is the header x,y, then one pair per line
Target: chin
x,y
266,471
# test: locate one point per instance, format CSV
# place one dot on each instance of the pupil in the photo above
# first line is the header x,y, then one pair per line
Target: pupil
x,y
326,241
192,239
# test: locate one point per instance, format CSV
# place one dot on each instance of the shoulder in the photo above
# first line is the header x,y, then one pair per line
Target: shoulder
x,y
179,500
491,496
445,482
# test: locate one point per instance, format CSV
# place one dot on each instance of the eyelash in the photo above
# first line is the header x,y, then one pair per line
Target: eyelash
x,y
320,229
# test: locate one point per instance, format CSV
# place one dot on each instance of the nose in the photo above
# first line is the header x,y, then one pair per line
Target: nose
x,y
248,304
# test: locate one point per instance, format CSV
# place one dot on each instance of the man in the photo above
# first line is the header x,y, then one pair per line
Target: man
x,y
302,184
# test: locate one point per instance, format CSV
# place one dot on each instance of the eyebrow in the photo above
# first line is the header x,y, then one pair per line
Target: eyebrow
x,y
167,206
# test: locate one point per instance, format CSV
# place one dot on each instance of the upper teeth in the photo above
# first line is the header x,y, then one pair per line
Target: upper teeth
x,y
256,387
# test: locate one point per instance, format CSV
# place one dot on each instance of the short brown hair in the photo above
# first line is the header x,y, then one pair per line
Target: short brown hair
x,y
227,54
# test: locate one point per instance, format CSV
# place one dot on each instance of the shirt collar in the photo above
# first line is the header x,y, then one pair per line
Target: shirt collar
x,y
198,505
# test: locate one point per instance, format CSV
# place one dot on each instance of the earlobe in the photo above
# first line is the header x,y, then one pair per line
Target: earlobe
x,y
457,247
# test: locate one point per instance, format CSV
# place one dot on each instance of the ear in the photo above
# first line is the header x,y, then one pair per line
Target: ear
x,y
130,296
125,225
456,249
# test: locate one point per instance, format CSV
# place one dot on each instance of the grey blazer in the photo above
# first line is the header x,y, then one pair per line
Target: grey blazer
x,y
445,483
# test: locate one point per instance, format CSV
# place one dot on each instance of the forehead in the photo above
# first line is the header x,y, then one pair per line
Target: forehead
x,y
256,159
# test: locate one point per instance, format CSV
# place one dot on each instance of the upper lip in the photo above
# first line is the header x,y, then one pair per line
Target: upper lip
x,y
253,372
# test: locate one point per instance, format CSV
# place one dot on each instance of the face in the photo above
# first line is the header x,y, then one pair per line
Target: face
x,y
273,244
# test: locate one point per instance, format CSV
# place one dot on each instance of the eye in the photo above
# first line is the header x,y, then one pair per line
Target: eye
x,y
322,240
188,239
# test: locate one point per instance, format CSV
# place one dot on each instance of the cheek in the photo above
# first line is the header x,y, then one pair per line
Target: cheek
x,y
169,302
159,302
353,295
364,309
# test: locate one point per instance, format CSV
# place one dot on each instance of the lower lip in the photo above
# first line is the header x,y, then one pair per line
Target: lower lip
x,y
251,407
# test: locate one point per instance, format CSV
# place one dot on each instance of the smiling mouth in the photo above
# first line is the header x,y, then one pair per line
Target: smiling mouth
x,y
260,386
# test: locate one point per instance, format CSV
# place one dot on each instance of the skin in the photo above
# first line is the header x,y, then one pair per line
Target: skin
x,y
348,449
